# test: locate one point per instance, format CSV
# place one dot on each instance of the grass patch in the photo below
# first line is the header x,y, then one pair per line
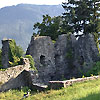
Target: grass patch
x,y
88,90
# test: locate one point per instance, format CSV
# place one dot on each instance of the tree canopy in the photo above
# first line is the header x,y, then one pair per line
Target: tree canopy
x,y
82,16
79,16
49,26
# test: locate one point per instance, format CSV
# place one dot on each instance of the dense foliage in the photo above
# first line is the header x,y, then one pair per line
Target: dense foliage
x,y
15,53
79,16
32,63
95,70
49,27
82,16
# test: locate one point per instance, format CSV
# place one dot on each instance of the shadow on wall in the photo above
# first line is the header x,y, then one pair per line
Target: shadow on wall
x,y
21,80
95,96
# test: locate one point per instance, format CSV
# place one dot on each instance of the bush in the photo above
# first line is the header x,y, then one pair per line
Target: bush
x,y
32,63
95,70
15,62
15,53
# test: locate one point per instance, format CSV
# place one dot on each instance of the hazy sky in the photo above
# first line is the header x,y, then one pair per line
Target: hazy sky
x,y
15,2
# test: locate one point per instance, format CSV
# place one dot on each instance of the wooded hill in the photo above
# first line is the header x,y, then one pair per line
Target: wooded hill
x,y
17,22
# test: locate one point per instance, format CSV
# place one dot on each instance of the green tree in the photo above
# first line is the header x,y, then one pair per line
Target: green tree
x,y
15,53
49,26
81,16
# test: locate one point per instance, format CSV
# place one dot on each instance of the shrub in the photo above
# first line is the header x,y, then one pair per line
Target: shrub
x,y
15,62
15,53
32,63
95,70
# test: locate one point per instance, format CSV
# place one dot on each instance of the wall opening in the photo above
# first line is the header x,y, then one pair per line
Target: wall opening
x,y
42,59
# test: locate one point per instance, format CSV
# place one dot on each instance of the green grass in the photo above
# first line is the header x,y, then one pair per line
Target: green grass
x,y
88,90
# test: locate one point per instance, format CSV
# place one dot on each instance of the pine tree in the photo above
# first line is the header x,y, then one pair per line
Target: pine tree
x,y
82,15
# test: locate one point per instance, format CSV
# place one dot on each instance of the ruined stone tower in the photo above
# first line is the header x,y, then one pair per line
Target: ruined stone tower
x,y
5,53
42,50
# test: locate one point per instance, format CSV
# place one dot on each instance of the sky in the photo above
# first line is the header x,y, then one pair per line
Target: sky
x,y
4,3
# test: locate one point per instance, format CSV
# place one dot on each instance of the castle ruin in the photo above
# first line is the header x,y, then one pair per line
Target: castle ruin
x,y
66,58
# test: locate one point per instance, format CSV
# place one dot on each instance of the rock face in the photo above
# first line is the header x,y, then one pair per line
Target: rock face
x,y
42,50
67,58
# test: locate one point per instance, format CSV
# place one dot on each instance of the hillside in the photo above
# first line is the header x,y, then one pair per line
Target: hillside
x,y
17,22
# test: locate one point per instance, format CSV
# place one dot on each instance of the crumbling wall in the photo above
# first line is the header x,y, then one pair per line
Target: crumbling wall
x,y
15,77
5,53
86,52
67,58
74,56
42,50
64,56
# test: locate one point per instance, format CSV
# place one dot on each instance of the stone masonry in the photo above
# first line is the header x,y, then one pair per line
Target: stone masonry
x,y
42,50
5,53
67,58
15,77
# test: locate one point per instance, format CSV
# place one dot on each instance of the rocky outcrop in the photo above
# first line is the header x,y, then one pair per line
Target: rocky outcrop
x,y
42,50
67,58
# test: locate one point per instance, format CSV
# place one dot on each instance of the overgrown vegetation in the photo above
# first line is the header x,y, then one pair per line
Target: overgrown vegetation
x,y
88,90
15,53
32,63
95,70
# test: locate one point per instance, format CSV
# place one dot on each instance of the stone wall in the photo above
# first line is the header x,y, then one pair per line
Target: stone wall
x,y
64,56
15,77
42,50
67,58
5,53
86,53
75,56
